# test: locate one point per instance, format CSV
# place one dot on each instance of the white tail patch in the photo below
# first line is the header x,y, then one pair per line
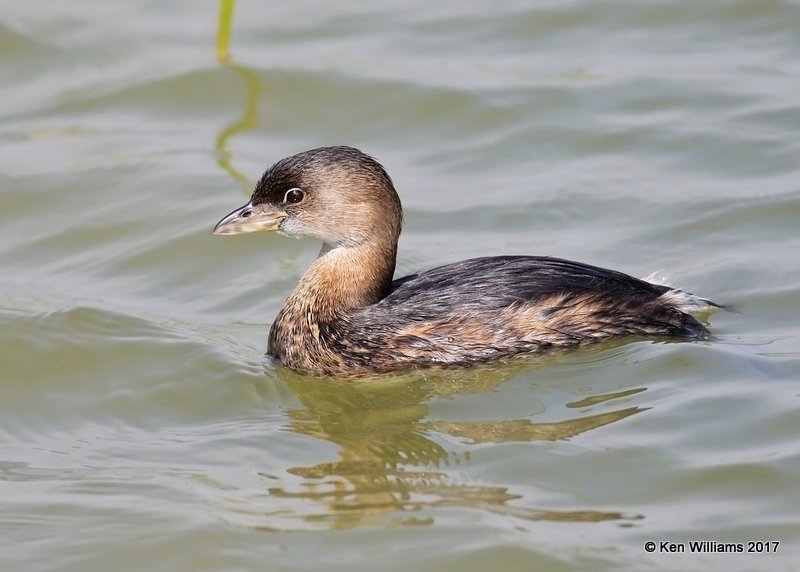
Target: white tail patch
x,y
684,301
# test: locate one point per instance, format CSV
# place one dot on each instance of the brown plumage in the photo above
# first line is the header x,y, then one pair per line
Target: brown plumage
x,y
347,317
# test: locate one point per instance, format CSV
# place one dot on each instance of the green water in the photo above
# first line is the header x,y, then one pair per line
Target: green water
x,y
141,428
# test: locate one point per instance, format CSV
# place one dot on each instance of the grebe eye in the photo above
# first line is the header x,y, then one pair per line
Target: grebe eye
x,y
294,196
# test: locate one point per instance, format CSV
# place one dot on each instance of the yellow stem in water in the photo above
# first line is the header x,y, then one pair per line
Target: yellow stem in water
x,y
224,30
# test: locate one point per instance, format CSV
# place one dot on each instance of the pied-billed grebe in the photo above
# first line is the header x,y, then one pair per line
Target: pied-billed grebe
x,y
347,317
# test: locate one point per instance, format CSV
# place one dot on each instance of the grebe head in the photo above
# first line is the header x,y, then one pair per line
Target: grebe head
x,y
338,195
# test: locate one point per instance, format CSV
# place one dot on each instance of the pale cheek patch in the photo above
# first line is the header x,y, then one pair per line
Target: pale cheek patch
x,y
296,229
289,227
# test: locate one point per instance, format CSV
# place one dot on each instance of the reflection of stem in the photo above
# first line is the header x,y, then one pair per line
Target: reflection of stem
x,y
249,119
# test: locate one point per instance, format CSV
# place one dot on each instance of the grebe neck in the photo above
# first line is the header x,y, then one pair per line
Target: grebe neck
x,y
344,278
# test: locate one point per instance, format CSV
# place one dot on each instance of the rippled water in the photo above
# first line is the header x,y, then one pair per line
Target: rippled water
x,y
141,429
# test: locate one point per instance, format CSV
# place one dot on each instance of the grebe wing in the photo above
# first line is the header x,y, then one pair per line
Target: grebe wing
x,y
502,280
